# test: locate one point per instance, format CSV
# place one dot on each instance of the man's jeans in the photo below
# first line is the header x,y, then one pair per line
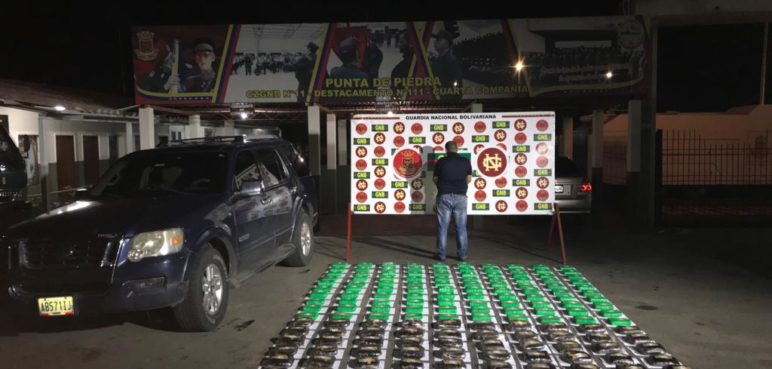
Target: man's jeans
x,y
455,205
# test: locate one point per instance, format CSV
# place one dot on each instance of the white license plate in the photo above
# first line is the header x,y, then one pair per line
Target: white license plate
x,y
56,306
558,188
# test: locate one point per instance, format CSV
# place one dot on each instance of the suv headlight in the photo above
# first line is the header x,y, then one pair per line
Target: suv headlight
x,y
158,243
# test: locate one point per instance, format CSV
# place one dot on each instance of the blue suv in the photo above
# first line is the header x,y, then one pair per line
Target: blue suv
x,y
168,227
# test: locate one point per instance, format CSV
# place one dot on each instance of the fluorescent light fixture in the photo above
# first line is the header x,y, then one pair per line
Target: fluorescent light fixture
x,y
59,108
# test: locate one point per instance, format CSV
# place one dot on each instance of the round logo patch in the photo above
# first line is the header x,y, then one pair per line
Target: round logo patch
x,y
521,192
542,182
438,138
521,206
399,141
480,127
542,148
361,151
542,195
500,135
501,206
480,195
399,207
380,207
521,172
417,184
379,151
416,128
361,185
379,184
520,159
501,182
361,197
439,149
520,124
399,128
361,128
399,195
458,128
407,163
502,146
361,164
542,125
380,172
417,196
459,141
542,161
419,149
379,138
480,183
478,148
520,138
491,162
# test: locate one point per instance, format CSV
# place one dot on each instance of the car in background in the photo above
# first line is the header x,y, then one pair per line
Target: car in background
x,y
573,191
168,227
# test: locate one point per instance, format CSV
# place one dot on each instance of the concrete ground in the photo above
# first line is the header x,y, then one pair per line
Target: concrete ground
x,y
691,290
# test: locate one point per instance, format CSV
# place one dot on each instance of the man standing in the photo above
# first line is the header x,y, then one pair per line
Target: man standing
x,y
452,175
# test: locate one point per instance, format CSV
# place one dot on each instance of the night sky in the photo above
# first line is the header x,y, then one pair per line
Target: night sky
x,y
87,46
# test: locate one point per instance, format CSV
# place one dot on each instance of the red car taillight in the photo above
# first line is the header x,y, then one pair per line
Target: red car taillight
x,y
586,186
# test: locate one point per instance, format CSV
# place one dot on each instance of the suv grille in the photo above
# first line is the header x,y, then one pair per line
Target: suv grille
x,y
59,254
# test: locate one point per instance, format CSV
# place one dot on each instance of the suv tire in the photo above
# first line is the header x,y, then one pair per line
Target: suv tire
x,y
207,300
303,240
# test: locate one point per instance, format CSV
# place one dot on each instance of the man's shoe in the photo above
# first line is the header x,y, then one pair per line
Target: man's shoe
x,y
439,258
463,258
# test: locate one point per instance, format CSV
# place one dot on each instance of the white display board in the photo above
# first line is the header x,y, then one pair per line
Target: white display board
x,y
512,157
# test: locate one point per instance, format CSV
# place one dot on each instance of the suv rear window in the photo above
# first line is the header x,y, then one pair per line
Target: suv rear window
x,y
565,167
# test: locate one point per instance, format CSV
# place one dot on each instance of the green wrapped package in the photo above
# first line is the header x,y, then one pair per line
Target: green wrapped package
x,y
611,314
413,316
620,322
517,318
446,317
447,310
340,315
586,320
510,304
579,313
347,308
306,315
378,316
445,303
381,304
414,310
549,319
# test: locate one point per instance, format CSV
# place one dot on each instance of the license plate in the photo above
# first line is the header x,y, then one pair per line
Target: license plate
x,y
558,189
56,306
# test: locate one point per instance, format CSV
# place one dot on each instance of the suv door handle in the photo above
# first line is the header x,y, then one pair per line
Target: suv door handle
x,y
266,200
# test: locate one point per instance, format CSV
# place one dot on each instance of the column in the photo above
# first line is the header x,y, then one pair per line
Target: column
x,y
146,128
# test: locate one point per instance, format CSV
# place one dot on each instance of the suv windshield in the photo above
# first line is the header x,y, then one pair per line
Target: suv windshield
x,y
155,172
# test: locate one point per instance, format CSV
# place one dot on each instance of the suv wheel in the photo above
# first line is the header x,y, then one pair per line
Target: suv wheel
x,y
204,307
304,243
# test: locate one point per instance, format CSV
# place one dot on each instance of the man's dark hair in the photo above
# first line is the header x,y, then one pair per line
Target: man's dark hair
x,y
451,146
204,41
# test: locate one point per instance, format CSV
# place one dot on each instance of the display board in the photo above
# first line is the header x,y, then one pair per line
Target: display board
x,y
461,316
512,157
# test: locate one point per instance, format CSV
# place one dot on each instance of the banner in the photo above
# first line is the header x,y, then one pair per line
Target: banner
x,y
333,63
512,157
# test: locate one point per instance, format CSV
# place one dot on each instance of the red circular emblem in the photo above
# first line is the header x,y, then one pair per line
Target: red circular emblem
x,y
399,127
361,151
521,172
379,184
379,151
542,182
380,172
542,161
520,138
520,124
458,128
542,148
416,128
399,206
407,163
417,184
521,192
380,207
502,146
501,182
419,149
399,195
459,141
477,148
480,183
542,125
379,138
480,195
438,138
500,135
361,185
439,149
361,128
501,206
361,164
480,127
521,206
520,159
491,162
399,141
417,196
361,196
542,195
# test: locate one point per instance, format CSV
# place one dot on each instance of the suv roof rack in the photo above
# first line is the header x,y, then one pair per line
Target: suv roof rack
x,y
217,139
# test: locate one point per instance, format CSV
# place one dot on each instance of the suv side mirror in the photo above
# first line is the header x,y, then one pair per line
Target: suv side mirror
x,y
252,188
